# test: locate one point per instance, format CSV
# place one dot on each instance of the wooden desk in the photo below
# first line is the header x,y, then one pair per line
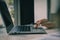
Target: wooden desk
x,y
5,36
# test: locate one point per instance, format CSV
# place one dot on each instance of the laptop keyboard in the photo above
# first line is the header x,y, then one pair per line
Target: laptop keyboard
x,y
29,28
24,28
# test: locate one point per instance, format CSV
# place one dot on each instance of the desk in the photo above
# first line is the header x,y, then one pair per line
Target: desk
x,y
5,36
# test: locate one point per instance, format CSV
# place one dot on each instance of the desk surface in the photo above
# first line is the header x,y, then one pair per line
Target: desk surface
x,y
5,36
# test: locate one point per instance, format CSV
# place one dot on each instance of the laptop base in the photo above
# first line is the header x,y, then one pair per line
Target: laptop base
x,y
26,30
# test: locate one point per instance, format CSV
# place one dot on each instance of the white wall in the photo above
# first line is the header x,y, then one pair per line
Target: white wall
x,y
40,9
54,6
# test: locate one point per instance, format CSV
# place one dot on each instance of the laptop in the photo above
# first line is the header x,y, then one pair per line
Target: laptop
x,y
21,29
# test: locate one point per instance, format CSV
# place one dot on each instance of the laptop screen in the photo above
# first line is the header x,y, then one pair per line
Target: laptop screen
x,y
6,15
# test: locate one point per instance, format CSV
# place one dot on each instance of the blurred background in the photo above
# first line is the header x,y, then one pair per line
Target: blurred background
x,y
42,9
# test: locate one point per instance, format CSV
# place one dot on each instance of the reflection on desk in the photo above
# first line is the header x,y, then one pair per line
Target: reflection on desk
x,y
5,36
